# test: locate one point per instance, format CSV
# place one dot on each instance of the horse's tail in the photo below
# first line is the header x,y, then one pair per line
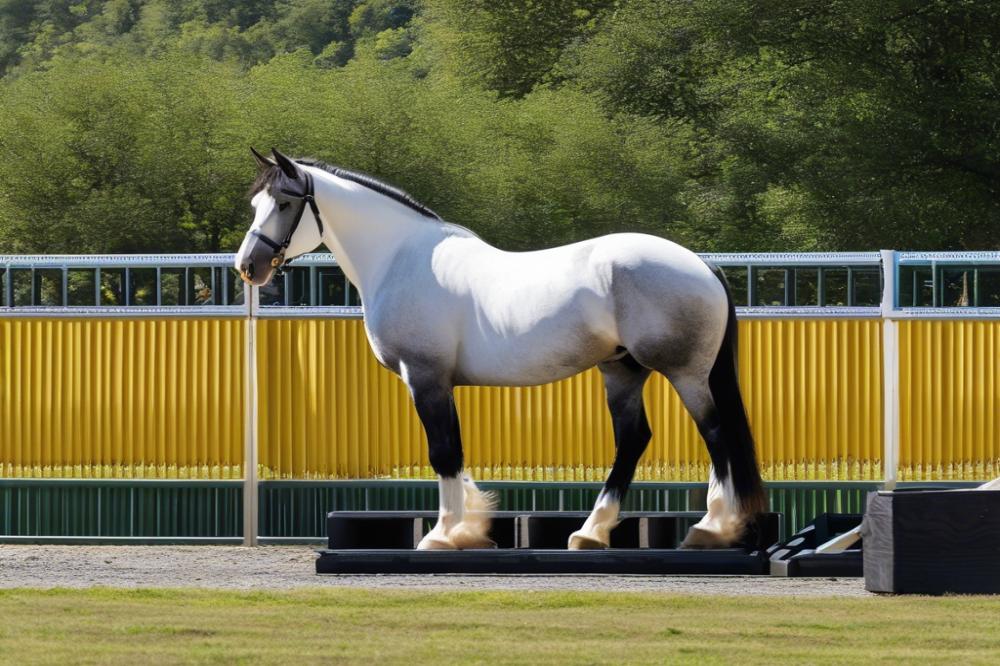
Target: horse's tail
x,y
724,384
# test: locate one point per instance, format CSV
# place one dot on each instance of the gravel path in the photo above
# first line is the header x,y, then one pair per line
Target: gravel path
x,y
291,567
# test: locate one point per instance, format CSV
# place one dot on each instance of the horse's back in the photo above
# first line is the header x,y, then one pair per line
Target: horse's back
x,y
659,257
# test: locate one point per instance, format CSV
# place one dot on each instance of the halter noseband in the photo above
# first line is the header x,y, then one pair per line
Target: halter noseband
x,y
307,198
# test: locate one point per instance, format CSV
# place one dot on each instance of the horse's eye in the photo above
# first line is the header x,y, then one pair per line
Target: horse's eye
x,y
283,206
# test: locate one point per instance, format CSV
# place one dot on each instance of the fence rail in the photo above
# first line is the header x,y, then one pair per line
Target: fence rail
x,y
797,280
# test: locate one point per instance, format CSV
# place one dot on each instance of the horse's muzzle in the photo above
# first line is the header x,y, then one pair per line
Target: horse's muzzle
x,y
256,265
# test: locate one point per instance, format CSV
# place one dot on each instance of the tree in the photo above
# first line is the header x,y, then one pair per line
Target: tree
x,y
872,124
115,157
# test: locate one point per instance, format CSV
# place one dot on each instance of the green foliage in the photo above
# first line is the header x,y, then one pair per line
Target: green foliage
x,y
839,125
722,124
511,45
111,157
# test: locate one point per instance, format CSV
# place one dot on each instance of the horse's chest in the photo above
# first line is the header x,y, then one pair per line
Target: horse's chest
x,y
385,352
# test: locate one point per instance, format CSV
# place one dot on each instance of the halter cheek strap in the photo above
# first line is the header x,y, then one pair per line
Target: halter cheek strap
x,y
308,198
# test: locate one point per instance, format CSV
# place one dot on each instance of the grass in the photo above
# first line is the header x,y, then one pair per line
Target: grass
x,y
374,626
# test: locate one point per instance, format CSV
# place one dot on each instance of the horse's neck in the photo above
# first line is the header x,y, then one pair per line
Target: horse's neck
x,y
364,229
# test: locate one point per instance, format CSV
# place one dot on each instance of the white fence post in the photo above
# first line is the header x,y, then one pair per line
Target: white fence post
x,y
251,497
890,371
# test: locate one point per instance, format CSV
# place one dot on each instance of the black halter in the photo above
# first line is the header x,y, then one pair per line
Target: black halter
x,y
307,198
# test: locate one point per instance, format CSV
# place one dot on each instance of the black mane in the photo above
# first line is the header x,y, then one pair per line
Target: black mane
x,y
269,176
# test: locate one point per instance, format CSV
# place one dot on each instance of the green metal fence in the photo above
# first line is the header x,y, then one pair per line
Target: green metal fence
x,y
135,511
143,511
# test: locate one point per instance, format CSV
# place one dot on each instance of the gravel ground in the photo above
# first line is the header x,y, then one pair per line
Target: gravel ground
x,y
291,567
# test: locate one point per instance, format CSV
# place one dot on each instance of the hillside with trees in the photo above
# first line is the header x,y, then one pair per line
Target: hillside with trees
x,y
723,124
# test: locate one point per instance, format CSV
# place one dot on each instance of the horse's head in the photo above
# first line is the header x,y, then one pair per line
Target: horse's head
x,y
282,229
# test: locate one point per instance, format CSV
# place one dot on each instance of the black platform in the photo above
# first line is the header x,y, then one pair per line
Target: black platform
x,y
730,562
379,542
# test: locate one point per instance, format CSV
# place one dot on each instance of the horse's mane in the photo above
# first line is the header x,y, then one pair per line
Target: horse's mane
x,y
270,175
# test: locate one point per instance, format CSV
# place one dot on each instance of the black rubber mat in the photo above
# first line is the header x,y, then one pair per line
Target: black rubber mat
x,y
731,562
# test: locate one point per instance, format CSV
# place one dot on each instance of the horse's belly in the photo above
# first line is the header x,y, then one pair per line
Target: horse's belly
x,y
523,363
537,338
485,374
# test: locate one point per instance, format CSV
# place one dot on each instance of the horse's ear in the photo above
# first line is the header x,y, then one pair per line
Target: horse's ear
x,y
262,162
287,165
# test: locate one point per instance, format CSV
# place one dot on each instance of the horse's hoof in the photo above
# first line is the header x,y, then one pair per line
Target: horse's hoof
x,y
433,541
466,538
580,541
699,538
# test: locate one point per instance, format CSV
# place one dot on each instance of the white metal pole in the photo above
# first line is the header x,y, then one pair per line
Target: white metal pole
x,y
890,370
250,485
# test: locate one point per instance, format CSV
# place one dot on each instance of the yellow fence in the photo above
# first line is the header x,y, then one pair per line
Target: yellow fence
x,y
327,410
949,400
126,398
164,398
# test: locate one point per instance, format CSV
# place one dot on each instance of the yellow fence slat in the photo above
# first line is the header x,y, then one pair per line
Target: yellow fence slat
x,y
121,398
813,390
948,400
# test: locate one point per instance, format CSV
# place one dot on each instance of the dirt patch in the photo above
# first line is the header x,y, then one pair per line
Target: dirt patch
x,y
290,567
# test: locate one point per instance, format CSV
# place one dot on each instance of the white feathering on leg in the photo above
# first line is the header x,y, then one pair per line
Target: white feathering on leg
x,y
722,524
474,530
596,531
479,505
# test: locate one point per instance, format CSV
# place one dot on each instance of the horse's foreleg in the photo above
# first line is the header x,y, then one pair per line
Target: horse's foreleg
x,y
455,527
623,381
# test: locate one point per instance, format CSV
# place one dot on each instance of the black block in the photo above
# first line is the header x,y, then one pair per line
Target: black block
x,y
552,530
374,529
846,564
932,542
664,531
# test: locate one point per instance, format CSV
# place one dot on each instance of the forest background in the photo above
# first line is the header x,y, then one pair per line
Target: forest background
x,y
726,125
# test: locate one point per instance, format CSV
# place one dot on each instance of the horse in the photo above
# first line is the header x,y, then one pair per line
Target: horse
x,y
443,308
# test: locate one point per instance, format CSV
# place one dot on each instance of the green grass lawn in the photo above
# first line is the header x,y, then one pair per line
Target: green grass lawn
x,y
365,626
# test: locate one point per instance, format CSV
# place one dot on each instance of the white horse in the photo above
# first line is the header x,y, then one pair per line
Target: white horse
x,y
443,308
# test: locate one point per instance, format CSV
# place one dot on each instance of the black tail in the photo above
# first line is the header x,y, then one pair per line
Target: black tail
x,y
739,452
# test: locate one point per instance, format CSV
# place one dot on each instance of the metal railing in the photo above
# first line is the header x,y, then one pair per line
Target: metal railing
x,y
946,280
205,281
924,280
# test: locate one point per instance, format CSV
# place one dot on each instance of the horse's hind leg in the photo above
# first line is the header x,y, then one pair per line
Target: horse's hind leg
x,y
464,511
723,523
623,380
